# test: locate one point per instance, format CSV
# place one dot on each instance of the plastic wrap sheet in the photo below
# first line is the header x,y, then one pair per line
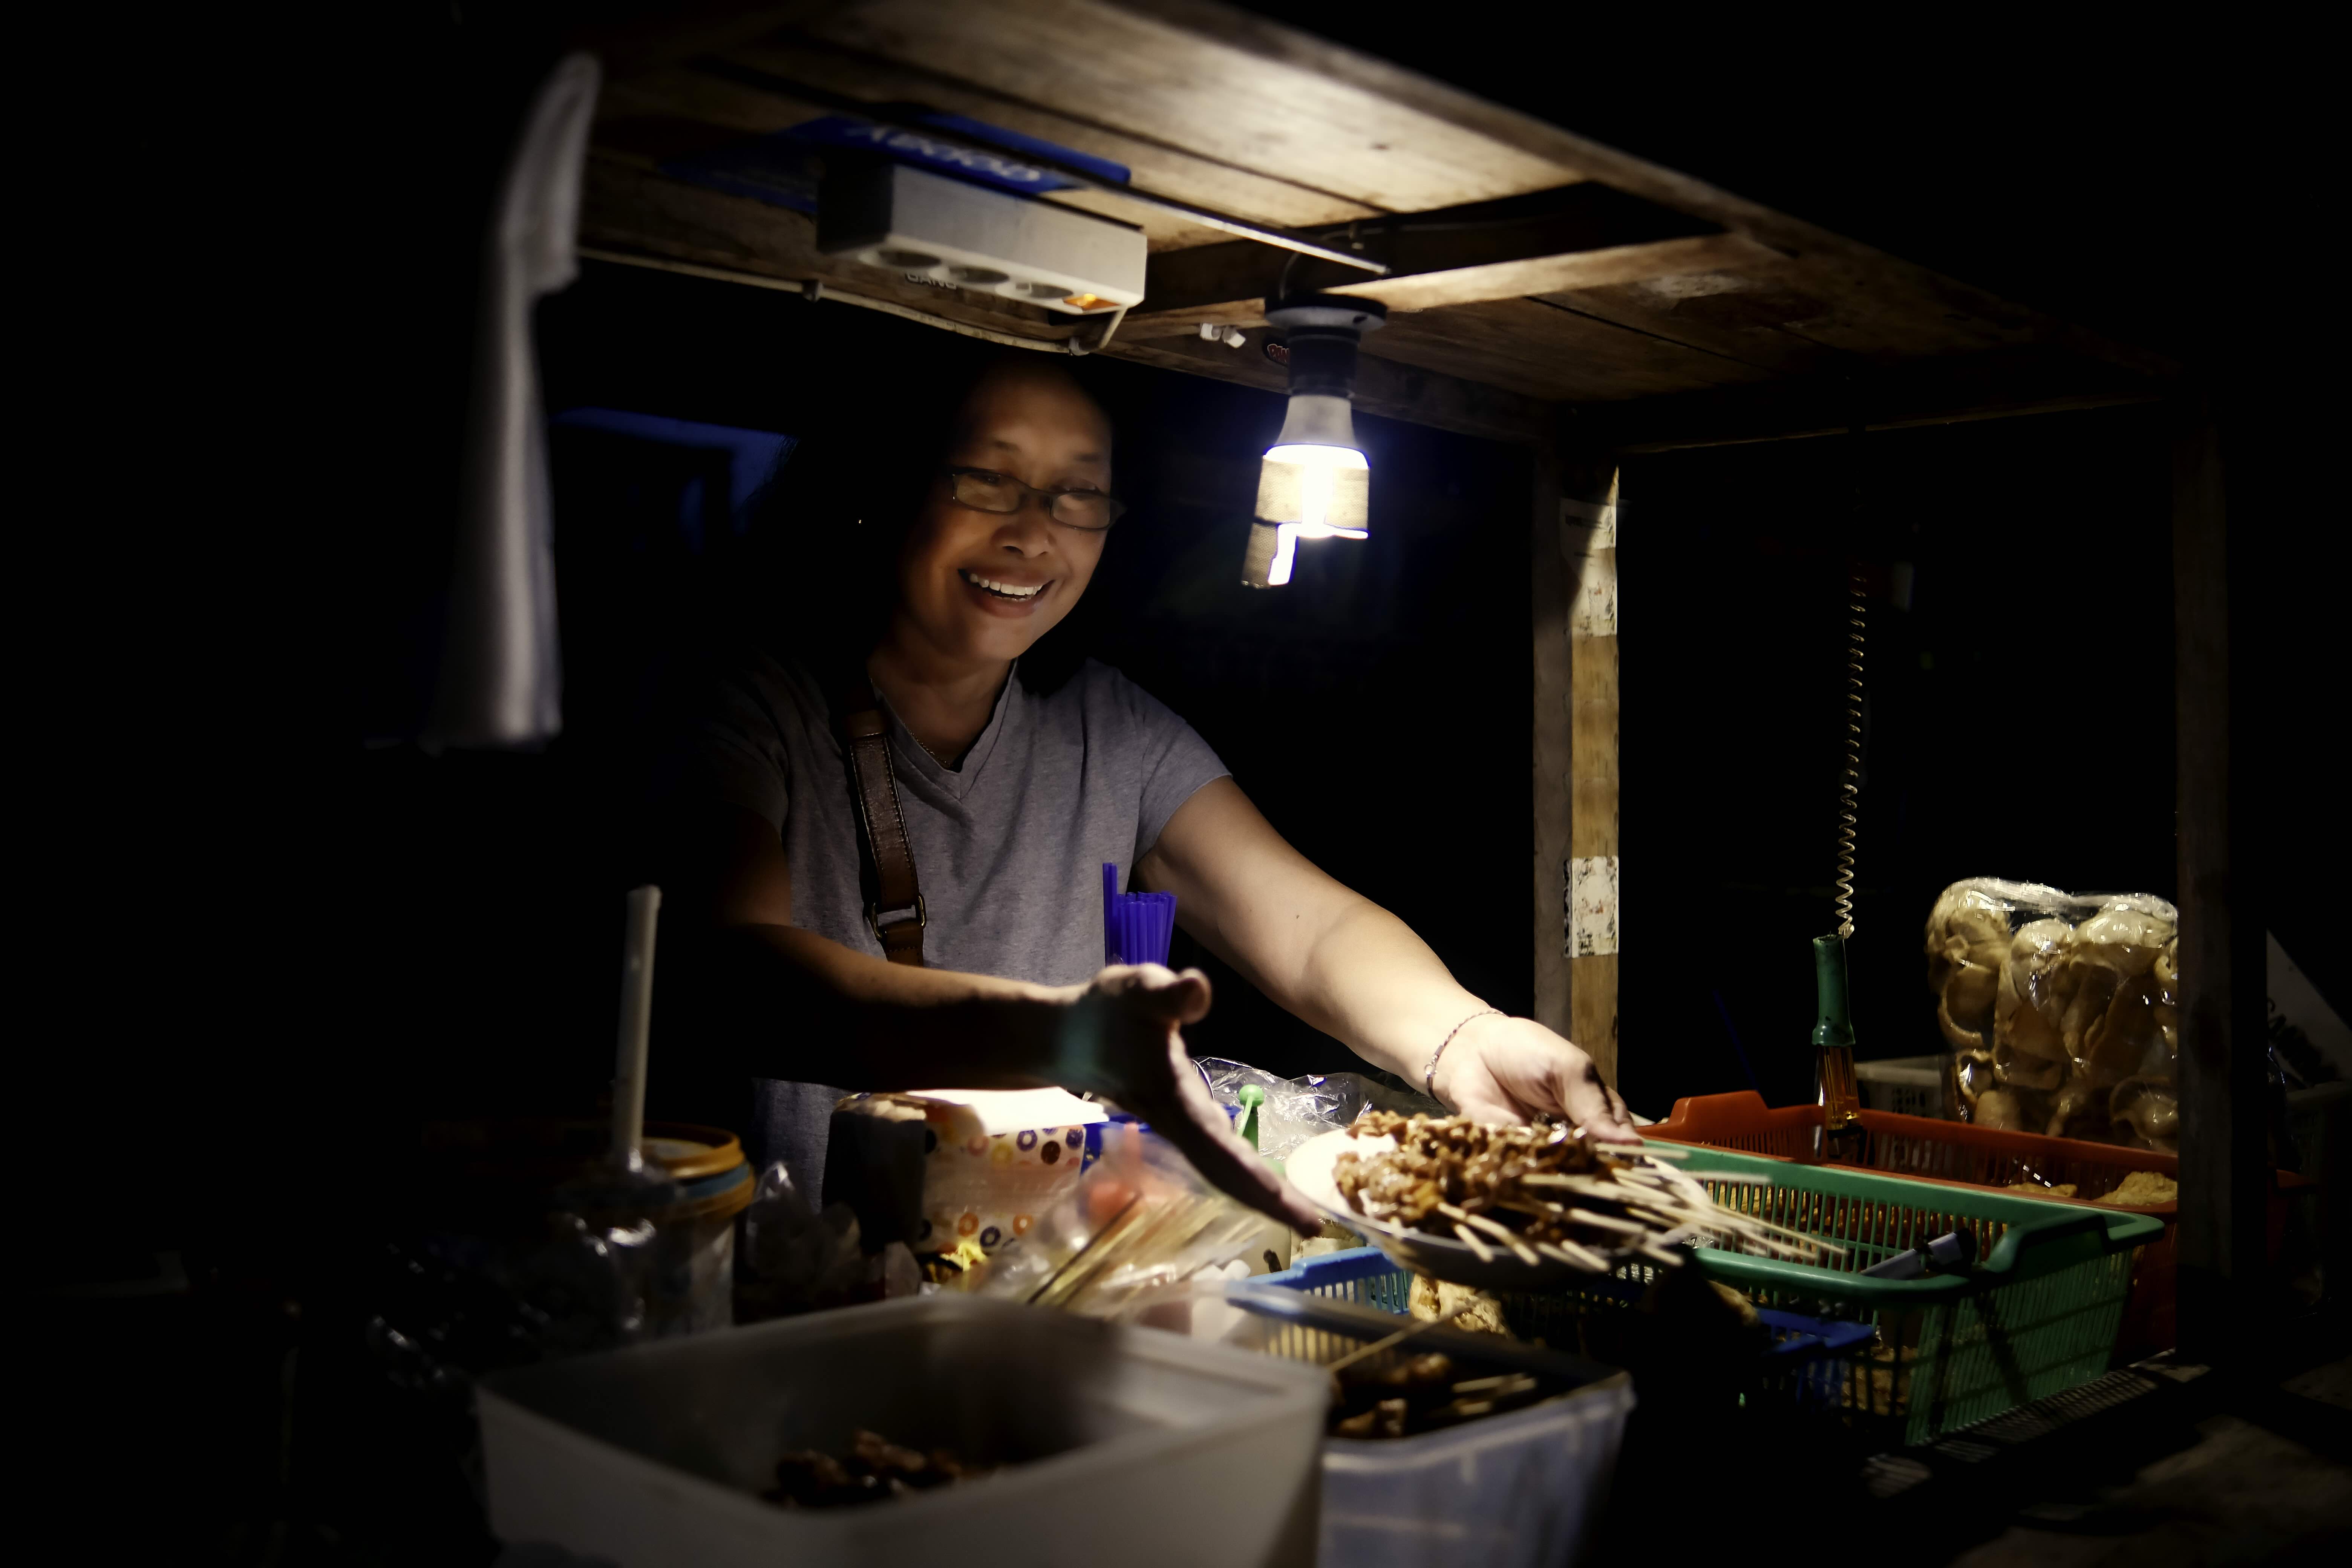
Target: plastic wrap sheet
x,y
1138,1222
1297,1108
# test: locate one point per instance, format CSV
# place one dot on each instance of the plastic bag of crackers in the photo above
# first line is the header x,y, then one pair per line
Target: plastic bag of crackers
x,y
2059,1009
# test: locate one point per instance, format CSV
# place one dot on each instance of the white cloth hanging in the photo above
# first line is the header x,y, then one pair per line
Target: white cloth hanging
x,y
500,682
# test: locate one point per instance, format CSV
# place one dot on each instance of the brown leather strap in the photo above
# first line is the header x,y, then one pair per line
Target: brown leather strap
x,y
894,899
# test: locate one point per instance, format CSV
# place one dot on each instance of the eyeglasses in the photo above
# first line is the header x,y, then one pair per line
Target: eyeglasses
x,y
985,490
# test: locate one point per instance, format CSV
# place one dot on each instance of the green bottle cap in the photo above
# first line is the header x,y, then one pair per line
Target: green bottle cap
x,y
1251,1097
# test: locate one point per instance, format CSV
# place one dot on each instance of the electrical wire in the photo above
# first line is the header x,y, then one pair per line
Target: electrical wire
x,y
1850,785
1360,228
814,289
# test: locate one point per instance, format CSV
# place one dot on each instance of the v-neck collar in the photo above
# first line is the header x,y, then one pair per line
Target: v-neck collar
x,y
957,782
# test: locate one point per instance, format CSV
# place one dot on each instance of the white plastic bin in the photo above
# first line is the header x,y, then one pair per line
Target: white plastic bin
x,y
1124,1445
1521,1490
1909,1085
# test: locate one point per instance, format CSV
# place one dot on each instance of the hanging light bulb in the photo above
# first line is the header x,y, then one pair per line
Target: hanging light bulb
x,y
1315,482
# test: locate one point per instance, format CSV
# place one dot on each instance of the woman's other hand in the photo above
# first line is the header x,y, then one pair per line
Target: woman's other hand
x,y
1512,1070
1122,1038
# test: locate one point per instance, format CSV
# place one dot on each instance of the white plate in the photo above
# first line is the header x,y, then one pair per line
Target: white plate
x,y
1440,1256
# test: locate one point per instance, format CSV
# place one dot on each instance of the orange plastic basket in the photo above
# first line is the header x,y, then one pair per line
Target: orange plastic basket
x,y
1965,1155
1919,1146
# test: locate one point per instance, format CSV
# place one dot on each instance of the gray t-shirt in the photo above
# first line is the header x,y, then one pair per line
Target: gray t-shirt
x,y
1009,846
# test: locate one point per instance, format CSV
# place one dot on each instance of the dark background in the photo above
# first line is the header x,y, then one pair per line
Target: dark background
x,y
2018,717
260,921
260,950
1376,709
2018,720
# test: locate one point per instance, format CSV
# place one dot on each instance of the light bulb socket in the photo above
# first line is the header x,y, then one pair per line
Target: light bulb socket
x,y
1322,333
1318,419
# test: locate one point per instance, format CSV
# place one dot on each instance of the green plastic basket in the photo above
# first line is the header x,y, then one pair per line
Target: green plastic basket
x,y
2036,1316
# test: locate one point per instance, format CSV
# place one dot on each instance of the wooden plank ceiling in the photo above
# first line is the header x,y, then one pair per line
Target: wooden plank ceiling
x,y
1541,269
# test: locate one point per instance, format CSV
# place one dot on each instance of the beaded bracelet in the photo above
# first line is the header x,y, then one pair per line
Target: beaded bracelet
x,y
1429,1074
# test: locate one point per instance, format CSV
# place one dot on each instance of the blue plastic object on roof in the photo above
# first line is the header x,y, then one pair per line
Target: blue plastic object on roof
x,y
778,168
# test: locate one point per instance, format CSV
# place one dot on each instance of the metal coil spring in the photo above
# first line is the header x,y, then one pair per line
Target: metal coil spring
x,y
1850,785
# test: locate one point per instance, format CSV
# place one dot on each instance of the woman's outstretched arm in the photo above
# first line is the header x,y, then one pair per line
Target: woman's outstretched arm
x,y
804,1006
1356,971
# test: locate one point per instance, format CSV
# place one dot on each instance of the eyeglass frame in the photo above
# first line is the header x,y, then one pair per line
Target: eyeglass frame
x,y
1118,507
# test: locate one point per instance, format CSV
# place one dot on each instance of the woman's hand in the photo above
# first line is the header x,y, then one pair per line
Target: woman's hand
x,y
1510,1069
1122,1038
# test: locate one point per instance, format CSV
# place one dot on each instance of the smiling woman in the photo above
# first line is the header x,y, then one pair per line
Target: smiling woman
x,y
935,554
893,519
1001,549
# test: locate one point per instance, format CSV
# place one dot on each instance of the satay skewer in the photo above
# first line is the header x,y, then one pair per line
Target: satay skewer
x,y
1501,1233
1620,1197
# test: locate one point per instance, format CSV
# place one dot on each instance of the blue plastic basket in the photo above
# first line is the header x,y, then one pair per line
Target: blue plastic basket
x,y
1805,1363
1361,1274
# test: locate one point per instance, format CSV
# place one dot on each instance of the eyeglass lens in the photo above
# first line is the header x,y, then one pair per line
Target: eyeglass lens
x,y
1001,493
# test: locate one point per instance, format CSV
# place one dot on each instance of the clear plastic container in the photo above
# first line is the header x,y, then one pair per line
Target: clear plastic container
x,y
1120,1443
1520,1490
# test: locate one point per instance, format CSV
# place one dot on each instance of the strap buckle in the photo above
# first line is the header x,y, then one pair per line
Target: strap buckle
x,y
921,920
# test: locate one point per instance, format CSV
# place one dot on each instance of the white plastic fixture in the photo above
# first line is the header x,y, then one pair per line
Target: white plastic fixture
x,y
932,229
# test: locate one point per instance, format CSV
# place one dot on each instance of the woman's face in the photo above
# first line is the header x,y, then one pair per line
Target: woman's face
x,y
987,585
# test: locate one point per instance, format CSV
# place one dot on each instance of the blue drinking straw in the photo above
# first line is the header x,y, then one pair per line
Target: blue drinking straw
x,y
1137,927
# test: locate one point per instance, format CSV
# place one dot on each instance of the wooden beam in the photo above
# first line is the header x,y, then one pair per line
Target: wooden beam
x,y
1205,35
1182,83
1759,317
1584,716
1549,274
1942,391
2224,1165
1213,105
1553,719
1171,166
731,111
628,208
1578,236
1394,391
1547,353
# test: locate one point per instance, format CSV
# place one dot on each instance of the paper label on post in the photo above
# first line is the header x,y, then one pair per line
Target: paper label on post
x,y
1592,900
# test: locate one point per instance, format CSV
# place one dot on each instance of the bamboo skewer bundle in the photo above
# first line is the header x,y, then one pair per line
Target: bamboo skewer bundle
x,y
1549,1192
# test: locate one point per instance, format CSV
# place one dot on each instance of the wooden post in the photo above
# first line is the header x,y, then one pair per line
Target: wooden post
x,y
1575,622
1548,577
2224,1169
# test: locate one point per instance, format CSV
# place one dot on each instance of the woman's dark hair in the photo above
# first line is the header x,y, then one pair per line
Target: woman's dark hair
x,y
828,528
